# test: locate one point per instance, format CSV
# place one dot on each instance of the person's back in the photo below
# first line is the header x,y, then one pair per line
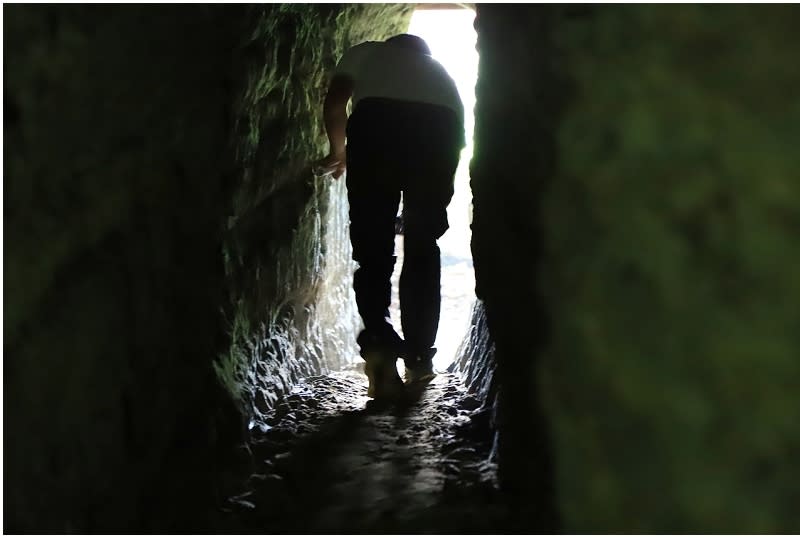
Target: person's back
x,y
393,71
404,135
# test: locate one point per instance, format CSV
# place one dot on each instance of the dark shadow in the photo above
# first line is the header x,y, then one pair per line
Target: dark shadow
x,y
320,480
412,396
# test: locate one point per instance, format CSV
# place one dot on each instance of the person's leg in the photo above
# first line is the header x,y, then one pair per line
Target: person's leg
x,y
372,219
420,295
427,193
373,202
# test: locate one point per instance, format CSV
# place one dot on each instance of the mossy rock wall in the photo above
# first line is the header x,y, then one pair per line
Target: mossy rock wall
x,y
288,260
116,135
650,152
145,147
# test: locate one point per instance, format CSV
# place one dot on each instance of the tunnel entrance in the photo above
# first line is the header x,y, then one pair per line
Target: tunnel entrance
x,y
455,50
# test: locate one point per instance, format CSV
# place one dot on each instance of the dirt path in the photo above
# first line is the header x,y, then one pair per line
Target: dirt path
x,y
334,462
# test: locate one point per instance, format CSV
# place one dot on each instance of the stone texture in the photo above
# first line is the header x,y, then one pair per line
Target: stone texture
x,y
288,260
116,131
515,120
643,272
634,217
153,166
475,359
674,355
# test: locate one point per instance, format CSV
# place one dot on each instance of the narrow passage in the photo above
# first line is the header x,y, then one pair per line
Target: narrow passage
x,y
334,462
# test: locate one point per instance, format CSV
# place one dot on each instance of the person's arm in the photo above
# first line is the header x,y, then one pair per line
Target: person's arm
x,y
335,112
335,115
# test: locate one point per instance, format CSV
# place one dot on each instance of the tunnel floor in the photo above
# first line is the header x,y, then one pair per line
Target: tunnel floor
x,y
335,462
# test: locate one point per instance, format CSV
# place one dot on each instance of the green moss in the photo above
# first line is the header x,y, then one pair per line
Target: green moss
x,y
155,171
286,242
116,156
671,229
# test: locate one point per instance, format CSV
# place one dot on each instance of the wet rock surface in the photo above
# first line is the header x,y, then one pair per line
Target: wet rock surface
x,y
334,461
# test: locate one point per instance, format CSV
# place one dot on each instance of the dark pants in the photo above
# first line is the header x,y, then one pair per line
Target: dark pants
x,y
394,147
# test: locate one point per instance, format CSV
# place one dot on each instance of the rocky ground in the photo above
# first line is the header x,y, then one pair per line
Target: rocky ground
x,y
334,461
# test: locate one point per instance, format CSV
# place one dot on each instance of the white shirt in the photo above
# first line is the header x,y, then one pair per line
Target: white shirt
x,y
387,70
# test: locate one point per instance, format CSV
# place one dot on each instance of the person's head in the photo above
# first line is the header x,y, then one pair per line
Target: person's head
x,y
412,42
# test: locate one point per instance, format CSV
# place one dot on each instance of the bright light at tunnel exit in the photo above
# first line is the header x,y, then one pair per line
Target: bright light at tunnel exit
x,y
452,39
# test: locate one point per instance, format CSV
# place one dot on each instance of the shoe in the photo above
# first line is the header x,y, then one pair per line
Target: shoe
x,y
381,338
384,382
419,371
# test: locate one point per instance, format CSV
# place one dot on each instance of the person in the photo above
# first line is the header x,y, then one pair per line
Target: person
x,y
404,136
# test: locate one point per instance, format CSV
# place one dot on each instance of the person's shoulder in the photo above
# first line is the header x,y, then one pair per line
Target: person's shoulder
x,y
438,71
436,65
363,48
366,45
350,62
354,56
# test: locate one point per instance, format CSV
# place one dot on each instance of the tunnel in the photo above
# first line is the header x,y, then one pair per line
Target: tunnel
x,y
179,350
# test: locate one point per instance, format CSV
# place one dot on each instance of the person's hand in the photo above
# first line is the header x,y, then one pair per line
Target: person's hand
x,y
333,164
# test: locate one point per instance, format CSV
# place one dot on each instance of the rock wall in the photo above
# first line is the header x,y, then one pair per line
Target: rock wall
x,y
515,119
634,217
116,128
475,358
287,247
643,161
154,165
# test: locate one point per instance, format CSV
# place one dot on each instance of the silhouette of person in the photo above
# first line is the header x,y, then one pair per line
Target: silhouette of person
x,y
404,135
